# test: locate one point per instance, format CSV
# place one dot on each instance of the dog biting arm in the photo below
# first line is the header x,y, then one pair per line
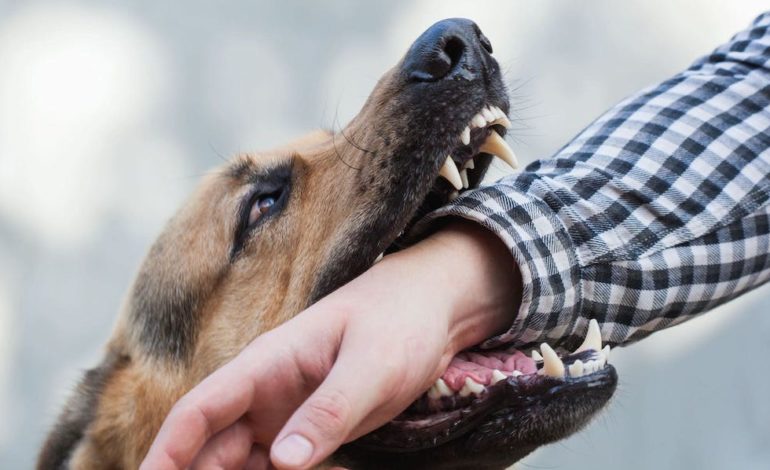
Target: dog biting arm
x,y
655,213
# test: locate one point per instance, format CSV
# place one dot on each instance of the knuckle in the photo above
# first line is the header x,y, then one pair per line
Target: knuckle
x,y
192,416
329,412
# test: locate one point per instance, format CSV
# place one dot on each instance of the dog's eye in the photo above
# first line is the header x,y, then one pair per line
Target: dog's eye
x,y
261,207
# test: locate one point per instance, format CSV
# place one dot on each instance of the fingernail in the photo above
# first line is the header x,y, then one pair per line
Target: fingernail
x,y
294,450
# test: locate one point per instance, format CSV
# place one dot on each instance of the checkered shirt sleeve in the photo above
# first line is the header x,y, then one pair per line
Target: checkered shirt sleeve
x,y
656,212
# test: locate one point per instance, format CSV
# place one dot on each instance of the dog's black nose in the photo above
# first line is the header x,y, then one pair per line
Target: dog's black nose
x,y
449,47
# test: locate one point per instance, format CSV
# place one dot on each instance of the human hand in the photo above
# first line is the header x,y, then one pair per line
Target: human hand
x,y
347,364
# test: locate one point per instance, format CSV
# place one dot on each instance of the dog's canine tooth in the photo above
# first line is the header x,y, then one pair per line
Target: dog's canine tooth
x,y
488,116
464,178
465,137
606,353
593,338
442,388
450,172
497,376
536,355
497,112
469,165
471,386
552,365
576,368
478,121
379,257
497,146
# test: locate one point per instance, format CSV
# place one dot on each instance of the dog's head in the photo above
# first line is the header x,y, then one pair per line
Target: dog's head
x,y
269,234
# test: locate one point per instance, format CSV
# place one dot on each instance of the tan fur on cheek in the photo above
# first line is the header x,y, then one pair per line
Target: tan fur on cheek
x,y
131,411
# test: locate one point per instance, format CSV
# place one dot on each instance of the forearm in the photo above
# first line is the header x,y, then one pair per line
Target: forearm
x,y
468,271
476,269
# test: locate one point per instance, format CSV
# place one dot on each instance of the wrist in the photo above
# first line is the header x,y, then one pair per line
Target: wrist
x,y
475,279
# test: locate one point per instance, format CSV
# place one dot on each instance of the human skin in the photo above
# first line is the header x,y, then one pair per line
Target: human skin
x,y
349,363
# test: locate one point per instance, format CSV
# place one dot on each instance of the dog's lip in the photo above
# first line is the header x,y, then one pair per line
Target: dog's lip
x,y
413,433
442,414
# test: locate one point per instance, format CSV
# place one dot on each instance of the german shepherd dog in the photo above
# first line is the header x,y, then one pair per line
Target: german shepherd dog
x,y
269,234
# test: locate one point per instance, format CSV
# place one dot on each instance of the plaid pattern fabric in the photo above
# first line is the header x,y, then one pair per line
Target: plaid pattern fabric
x,y
656,212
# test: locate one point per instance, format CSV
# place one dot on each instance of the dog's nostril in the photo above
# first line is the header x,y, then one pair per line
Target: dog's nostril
x,y
454,49
450,47
435,63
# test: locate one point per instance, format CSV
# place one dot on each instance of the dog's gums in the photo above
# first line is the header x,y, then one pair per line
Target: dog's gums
x,y
270,234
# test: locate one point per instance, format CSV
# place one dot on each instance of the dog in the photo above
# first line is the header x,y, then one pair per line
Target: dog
x,y
269,234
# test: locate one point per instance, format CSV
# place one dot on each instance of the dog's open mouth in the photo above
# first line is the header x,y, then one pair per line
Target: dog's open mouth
x,y
492,402
498,403
488,387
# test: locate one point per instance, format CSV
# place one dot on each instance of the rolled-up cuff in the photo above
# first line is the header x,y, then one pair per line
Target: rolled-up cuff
x,y
541,247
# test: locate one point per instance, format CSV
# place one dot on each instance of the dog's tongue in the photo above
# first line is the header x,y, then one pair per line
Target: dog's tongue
x,y
481,367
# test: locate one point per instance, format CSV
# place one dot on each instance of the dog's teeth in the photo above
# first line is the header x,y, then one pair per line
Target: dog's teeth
x,y
593,338
517,373
379,257
496,145
478,121
442,388
450,172
471,386
465,137
497,376
536,355
552,365
464,178
606,353
469,165
433,393
488,116
576,368
497,112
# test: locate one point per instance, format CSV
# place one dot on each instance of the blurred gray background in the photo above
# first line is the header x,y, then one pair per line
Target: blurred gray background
x,y
111,110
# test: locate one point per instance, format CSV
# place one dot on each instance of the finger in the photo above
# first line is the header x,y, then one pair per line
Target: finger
x,y
229,448
218,401
349,394
258,459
